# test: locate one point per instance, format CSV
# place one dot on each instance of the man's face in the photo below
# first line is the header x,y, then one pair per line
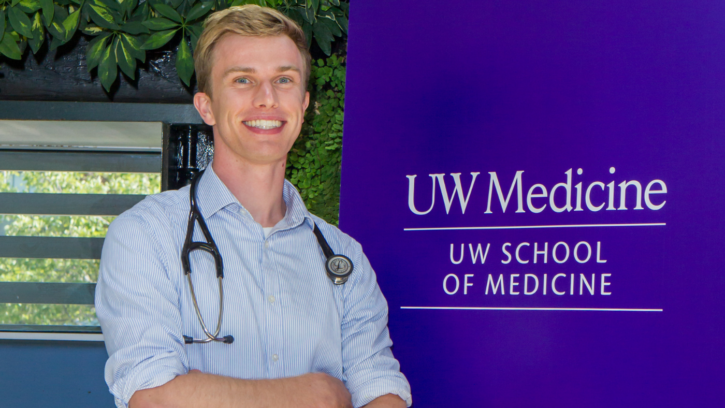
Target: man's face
x,y
258,98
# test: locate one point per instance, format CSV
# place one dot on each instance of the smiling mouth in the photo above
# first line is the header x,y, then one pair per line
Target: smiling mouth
x,y
263,124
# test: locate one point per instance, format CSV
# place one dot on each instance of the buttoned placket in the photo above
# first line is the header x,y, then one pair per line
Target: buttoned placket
x,y
272,307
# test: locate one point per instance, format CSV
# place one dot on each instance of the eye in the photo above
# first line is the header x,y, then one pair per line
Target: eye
x,y
242,80
284,80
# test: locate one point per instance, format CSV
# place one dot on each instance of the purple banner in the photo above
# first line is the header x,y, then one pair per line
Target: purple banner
x,y
539,186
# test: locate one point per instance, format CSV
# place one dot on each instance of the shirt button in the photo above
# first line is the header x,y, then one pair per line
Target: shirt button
x,y
266,244
270,298
275,357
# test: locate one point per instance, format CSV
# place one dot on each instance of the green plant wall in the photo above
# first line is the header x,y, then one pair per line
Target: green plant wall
x,y
313,164
122,31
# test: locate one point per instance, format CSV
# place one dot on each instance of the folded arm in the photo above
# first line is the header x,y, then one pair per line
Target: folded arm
x,y
197,390
372,374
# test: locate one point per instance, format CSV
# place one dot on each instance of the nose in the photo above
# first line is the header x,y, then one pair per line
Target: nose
x,y
266,96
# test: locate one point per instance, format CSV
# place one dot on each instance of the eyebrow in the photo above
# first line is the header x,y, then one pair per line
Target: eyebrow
x,y
289,68
250,70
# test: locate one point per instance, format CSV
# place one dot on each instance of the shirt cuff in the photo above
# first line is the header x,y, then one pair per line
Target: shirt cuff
x,y
142,378
372,391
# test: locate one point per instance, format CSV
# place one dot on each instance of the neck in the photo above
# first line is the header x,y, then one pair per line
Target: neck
x,y
258,187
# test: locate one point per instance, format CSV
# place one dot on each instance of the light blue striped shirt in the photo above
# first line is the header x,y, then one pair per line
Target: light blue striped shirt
x,y
286,316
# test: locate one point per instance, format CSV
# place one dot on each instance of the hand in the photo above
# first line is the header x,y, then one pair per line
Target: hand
x,y
318,390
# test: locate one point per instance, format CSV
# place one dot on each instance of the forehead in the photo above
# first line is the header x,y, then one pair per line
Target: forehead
x,y
259,53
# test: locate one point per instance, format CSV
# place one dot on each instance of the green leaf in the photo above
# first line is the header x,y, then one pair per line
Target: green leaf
x,y
296,16
95,50
193,40
70,24
20,22
332,26
307,28
196,29
158,39
29,6
128,6
243,2
194,34
199,10
133,45
183,6
107,70
134,27
102,16
125,60
315,5
9,48
113,6
2,24
57,31
93,30
167,12
323,36
158,24
55,43
48,11
184,62
335,2
342,20
38,34
59,13
84,21
308,14
326,13
141,13
37,41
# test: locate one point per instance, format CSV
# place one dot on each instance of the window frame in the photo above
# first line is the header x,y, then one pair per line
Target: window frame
x,y
181,124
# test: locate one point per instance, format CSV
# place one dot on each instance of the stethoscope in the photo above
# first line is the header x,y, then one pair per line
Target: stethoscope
x,y
338,267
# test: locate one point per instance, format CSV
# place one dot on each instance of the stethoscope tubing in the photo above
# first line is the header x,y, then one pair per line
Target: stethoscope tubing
x,y
209,246
337,275
210,337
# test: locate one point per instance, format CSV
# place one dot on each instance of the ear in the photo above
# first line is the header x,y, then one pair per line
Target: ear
x,y
202,103
305,104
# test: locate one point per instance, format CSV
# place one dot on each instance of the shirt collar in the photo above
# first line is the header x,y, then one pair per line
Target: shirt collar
x,y
213,195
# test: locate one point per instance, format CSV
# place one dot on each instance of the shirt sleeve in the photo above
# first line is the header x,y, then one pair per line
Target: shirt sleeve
x,y
138,309
369,368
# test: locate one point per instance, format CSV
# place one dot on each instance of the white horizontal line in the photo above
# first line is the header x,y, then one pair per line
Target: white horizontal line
x,y
51,336
652,224
576,309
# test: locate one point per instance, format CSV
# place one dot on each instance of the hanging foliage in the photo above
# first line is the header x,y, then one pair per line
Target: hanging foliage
x,y
122,31
313,164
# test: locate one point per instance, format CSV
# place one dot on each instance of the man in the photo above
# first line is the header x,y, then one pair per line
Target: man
x,y
299,339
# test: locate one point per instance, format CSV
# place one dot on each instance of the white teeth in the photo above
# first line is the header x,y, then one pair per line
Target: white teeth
x,y
263,124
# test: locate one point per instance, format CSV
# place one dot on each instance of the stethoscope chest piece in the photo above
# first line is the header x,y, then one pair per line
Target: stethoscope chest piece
x,y
339,268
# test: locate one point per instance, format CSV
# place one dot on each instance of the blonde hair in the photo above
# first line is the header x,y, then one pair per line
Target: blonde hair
x,y
248,20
